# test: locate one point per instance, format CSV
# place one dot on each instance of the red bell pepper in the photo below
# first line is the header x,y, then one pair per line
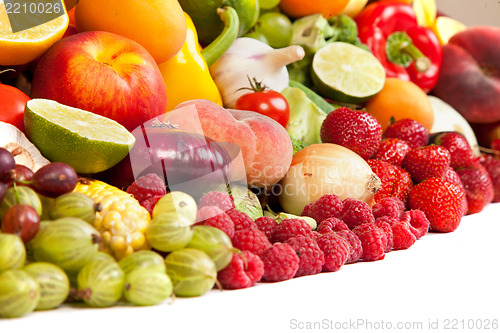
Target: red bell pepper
x,y
406,50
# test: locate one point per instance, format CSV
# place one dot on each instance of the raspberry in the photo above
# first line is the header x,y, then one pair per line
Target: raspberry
x,y
150,203
147,186
215,217
356,212
373,240
329,205
418,221
403,237
289,228
388,206
316,235
331,224
241,220
355,244
252,240
306,210
385,223
311,258
266,224
244,270
219,199
280,262
336,250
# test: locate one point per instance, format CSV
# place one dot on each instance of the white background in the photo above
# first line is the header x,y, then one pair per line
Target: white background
x,y
442,277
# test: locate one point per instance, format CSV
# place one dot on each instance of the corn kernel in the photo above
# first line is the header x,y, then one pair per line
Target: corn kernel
x,y
106,236
137,240
118,243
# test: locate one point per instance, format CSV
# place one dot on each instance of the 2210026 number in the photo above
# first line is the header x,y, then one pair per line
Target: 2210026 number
x,y
471,324
33,8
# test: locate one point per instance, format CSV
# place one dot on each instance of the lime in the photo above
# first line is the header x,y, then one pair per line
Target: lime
x,y
207,22
90,143
346,73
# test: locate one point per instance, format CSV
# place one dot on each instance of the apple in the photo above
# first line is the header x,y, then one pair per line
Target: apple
x,y
104,73
265,146
469,79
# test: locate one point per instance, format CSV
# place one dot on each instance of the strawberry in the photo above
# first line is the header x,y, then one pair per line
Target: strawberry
x,y
396,181
426,162
409,130
392,150
462,155
442,202
357,130
452,176
478,188
492,166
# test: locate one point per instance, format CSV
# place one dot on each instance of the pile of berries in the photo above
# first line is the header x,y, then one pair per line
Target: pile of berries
x,y
437,173
347,231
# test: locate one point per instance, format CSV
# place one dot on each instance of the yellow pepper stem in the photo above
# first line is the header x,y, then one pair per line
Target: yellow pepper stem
x,y
214,50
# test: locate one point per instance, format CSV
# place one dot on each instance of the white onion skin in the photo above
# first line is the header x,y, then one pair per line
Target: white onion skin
x,y
326,168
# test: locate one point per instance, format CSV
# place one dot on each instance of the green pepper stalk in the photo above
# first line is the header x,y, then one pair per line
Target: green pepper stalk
x,y
401,50
219,45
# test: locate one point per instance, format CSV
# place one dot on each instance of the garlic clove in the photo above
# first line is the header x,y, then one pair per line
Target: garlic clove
x,y
24,152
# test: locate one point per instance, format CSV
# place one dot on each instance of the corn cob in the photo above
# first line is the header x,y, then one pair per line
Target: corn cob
x,y
121,221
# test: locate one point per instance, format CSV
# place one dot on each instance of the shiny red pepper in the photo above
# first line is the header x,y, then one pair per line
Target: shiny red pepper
x,y
406,50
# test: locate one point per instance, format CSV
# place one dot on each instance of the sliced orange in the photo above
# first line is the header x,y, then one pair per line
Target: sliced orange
x,y
24,46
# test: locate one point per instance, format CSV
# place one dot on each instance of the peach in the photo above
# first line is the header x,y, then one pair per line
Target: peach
x,y
470,74
265,145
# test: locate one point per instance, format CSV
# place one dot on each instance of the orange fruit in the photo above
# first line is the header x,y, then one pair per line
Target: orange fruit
x,y
299,8
400,99
158,25
19,48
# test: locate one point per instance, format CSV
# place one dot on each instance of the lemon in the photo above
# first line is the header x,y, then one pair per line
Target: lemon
x,y
346,73
445,27
90,143
19,48
207,21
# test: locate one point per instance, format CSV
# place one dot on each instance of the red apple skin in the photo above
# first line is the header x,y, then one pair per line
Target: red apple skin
x,y
470,74
104,73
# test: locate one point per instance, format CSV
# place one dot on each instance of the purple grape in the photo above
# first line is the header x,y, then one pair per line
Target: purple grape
x,y
54,179
3,189
7,163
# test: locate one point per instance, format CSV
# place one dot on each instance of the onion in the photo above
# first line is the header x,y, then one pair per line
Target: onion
x,y
188,162
326,168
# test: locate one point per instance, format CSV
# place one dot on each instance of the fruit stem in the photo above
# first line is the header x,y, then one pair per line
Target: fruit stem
x,y
219,45
16,193
400,50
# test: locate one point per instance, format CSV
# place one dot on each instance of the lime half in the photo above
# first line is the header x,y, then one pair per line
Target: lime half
x,y
347,73
90,143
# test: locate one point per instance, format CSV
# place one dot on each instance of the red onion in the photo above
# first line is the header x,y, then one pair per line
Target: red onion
x,y
188,162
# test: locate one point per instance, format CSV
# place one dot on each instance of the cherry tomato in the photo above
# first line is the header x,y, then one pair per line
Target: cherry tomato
x,y
12,102
268,103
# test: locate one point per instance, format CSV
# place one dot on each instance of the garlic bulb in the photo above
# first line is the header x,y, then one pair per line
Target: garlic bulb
x,y
24,152
248,58
327,168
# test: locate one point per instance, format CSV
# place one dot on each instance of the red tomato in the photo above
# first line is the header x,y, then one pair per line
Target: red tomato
x,y
268,103
12,102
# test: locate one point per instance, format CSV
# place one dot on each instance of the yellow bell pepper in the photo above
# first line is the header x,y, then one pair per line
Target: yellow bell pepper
x,y
186,75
